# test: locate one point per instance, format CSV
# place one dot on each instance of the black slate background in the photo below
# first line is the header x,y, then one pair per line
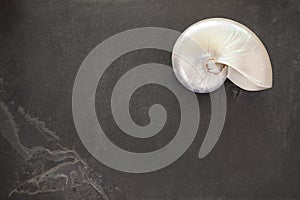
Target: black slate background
x,y
43,43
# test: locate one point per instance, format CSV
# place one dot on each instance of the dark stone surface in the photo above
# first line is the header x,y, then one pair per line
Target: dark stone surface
x,y
42,46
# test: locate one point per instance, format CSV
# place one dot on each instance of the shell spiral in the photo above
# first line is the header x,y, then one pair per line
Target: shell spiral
x,y
92,134
214,49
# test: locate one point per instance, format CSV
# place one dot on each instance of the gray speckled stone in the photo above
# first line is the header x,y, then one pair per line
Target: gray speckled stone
x,y
43,43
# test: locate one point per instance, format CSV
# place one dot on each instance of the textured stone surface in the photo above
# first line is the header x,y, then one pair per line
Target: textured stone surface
x,y
42,46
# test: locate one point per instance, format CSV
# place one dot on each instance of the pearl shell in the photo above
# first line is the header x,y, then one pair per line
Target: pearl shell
x,y
214,49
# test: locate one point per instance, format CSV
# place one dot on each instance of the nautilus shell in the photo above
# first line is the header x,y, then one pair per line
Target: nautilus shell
x,y
214,49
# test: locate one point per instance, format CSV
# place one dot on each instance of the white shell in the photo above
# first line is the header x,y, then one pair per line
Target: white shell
x,y
214,49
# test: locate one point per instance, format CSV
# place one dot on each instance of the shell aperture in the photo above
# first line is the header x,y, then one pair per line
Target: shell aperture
x,y
212,50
